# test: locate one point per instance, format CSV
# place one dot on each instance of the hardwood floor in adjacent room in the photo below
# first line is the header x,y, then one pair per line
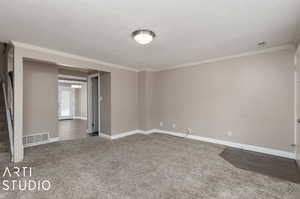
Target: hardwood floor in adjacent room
x,y
72,129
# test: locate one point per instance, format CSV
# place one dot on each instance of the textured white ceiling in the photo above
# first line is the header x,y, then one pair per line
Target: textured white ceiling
x,y
187,30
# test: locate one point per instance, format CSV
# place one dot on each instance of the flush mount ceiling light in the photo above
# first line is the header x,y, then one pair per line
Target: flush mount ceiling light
x,y
143,36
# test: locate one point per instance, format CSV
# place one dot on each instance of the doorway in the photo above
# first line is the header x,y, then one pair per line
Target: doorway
x,y
72,104
297,133
94,99
297,107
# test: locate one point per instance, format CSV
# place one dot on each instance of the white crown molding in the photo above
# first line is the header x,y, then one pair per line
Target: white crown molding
x,y
64,54
217,59
212,60
147,70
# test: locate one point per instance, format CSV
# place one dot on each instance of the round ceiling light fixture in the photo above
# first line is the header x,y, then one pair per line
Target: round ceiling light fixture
x,y
143,36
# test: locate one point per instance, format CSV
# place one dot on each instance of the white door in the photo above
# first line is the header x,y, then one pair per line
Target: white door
x,y
65,103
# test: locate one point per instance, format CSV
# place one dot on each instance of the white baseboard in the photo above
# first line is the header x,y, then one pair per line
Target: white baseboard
x,y
50,140
113,137
80,118
56,139
248,147
147,132
104,135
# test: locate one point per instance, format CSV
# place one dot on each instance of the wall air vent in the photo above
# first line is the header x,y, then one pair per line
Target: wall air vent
x,y
35,139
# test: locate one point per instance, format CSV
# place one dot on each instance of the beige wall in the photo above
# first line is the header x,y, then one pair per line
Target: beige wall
x,y
250,96
105,106
40,99
146,99
142,99
124,101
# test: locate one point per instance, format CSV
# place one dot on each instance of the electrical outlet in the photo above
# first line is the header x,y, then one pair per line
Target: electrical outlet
x,y
161,124
174,126
229,133
189,131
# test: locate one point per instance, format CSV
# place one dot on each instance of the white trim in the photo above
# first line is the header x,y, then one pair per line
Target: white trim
x,y
148,70
50,140
70,82
128,133
64,54
148,132
90,102
296,95
80,118
217,59
248,147
99,103
295,108
93,75
104,135
125,134
72,77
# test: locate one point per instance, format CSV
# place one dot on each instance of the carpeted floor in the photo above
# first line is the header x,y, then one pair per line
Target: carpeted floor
x,y
143,166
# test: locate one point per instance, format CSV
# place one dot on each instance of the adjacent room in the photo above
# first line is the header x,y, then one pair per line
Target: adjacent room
x,y
72,107
62,103
150,99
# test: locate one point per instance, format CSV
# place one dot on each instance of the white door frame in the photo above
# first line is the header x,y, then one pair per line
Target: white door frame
x,y
89,90
295,109
296,106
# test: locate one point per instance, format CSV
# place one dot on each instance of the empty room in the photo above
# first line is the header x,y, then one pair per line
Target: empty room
x,y
150,99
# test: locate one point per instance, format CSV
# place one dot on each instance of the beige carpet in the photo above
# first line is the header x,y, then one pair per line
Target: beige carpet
x,y
143,166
